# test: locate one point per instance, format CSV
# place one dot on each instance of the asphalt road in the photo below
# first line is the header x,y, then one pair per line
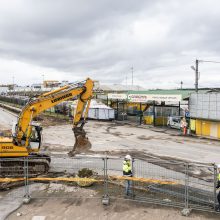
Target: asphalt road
x,y
107,137
6,119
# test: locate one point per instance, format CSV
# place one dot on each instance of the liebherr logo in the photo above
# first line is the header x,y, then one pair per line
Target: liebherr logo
x,y
61,97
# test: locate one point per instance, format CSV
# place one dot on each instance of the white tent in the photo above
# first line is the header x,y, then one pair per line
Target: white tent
x,y
98,110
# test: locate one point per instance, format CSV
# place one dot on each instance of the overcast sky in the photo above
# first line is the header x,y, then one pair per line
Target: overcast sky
x,y
102,39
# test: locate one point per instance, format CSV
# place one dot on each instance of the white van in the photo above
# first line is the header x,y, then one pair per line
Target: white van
x,y
174,122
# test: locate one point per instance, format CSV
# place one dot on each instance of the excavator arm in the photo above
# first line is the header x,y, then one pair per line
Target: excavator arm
x,y
82,90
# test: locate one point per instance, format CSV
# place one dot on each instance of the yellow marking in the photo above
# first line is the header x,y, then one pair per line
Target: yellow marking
x,y
69,179
145,180
77,179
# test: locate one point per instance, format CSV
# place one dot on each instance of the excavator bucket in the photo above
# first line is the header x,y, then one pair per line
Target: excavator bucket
x,y
82,143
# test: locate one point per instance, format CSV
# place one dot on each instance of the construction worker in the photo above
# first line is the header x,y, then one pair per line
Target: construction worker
x,y
127,172
183,126
217,187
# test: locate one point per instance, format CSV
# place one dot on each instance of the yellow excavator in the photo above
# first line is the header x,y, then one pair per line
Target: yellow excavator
x,y
26,133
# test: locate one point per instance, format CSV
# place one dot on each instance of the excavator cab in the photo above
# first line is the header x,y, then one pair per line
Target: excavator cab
x,y
36,138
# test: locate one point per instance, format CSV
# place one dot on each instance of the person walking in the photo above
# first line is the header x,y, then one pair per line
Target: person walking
x,y
127,172
217,187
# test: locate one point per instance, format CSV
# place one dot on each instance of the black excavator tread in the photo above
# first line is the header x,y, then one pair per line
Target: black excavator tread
x,y
36,165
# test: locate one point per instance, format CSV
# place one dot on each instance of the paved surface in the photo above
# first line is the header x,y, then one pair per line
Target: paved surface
x,y
13,200
107,137
6,119
8,205
92,209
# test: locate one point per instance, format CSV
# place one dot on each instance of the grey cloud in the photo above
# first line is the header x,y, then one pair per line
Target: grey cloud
x,y
98,37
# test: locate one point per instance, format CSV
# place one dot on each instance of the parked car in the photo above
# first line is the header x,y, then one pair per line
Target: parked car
x,y
174,122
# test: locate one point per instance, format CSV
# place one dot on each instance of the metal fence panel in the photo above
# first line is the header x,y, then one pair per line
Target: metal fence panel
x,y
159,182
186,185
201,186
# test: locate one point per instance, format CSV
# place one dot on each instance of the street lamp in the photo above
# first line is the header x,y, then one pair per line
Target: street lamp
x,y
193,68
181,85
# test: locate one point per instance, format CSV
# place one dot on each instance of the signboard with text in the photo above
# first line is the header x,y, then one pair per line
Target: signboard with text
x,y
118,96
151,97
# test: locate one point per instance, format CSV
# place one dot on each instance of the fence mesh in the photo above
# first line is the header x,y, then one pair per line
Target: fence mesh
x,y
184,185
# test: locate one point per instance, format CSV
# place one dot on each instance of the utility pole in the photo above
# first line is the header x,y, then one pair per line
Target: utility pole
x,y
197,75
196,69
132,75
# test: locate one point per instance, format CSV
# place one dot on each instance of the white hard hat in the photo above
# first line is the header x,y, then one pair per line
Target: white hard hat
x,y
128,157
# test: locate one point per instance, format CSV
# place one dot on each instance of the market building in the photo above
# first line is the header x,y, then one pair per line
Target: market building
x,y
152,107
204,108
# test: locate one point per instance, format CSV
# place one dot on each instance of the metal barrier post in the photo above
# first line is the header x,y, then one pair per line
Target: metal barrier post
x,y
132,182
186,211
105,198
214,186
26,184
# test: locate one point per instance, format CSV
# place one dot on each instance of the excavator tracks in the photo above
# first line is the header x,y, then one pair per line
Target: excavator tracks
x,y
15,167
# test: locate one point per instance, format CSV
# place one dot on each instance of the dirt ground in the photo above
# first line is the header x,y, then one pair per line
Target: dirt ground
x,y
81,203
45,119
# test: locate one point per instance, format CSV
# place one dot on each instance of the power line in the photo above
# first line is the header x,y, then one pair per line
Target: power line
x,y
208,61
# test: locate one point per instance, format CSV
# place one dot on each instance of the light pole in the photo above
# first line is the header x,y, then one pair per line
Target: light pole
x,y
181,85
13,83
132,75
43,77
43,80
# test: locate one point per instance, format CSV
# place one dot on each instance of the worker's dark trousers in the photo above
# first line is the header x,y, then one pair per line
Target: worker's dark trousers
x,y
218,197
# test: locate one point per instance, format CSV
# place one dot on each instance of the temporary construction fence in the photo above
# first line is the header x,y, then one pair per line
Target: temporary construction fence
x,y
165,182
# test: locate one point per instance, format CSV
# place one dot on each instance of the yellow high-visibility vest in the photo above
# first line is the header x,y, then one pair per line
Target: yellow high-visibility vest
x,y
126,166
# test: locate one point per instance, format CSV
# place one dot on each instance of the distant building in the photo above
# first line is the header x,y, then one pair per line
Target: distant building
x,y
4,89
51,83
204,109
36,85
